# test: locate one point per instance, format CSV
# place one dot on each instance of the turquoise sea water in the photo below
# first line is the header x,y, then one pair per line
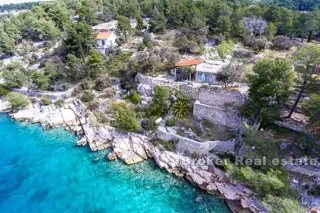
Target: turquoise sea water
x,y
43,171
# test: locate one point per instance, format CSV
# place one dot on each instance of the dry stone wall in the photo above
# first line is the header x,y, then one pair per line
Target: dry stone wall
x,y
186,145
220,107
217,115
220,97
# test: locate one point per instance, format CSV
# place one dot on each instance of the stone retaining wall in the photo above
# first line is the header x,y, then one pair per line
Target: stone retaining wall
x,y
141,79
186,145
290,126
217,115
220,97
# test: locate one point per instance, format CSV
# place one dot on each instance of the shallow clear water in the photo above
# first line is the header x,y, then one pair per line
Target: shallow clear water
x,y
43,171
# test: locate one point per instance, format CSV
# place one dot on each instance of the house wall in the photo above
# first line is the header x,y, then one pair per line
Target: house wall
x,y
108,43
200,78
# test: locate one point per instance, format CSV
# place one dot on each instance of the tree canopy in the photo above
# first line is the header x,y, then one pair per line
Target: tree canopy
x,y
269,85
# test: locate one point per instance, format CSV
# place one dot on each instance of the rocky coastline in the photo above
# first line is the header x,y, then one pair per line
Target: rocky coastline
x,y
133,148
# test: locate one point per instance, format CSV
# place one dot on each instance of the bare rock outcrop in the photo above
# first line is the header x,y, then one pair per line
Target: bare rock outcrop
x,y
4,105
112,156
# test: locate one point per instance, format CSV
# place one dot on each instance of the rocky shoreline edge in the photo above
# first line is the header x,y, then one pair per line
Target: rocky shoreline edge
x,y
133,148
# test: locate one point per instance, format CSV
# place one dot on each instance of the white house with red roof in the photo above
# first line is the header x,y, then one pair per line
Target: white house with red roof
x,y
105,41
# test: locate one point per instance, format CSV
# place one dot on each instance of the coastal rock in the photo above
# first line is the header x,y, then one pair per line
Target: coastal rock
x,y
82,142
112,156
133,148
130,147
99,138
5,106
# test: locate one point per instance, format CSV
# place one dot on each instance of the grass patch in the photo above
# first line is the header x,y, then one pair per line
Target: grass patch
x,y
197,130
101,117
170,122
207,124
168,145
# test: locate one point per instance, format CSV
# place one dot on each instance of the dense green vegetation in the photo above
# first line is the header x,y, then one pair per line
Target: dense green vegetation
x,y
269,85
312,108
125,117
17,100
160,102
302,5
223,19
19,6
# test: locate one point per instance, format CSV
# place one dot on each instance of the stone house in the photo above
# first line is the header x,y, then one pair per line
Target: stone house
x,y
185,70
198,70
105,41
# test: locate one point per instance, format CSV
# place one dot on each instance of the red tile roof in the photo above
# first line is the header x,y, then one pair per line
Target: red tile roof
x,y
189,62
103,35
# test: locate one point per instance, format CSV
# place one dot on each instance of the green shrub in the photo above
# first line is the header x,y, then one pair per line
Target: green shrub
x,y
3,91
125,118
46,100
101,117
93,105
87,96
180,109
197,130
207,124
110,93
134,97
264,146
40,80
168,145
312,109
182,95
202,49
17,99
271,181
170,122
160,102
147,124
225,48
205,86
85,85
102,82
14,78
59,103
282,204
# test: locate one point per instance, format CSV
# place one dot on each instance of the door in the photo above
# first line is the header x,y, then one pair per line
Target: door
x,y
199,76
207,78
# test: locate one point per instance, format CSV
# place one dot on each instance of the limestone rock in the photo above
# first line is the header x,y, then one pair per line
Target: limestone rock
x,y
144,90
82,142
5,106
112,156
130,157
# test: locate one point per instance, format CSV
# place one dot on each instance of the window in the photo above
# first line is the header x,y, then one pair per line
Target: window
x,y
103,42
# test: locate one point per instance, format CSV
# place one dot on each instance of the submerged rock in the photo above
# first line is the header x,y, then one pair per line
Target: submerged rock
x,y
112,156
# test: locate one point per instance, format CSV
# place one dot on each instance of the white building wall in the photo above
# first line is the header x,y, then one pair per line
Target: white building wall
x,y
108,43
